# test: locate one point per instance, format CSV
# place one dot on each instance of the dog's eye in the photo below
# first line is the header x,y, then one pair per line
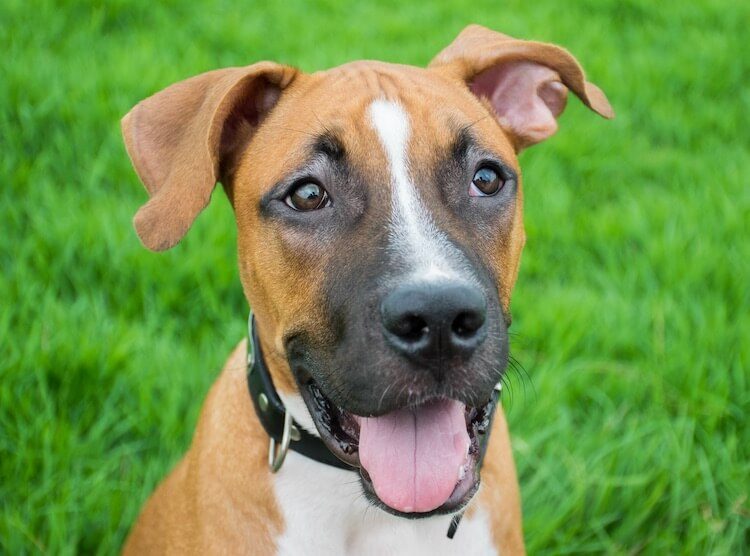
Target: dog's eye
x,y
308,196
486,182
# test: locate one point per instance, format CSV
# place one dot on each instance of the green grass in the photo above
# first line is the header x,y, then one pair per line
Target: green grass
x,y
631,314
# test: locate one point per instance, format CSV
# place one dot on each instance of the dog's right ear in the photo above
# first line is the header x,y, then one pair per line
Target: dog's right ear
x,y
179,138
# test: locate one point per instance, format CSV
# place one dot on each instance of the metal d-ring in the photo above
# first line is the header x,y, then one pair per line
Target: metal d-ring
x,y
276,459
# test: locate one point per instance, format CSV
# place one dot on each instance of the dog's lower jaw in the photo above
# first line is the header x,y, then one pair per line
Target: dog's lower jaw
x,y
340,431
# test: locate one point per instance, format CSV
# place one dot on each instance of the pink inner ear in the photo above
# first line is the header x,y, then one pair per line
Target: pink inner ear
x,y
527,98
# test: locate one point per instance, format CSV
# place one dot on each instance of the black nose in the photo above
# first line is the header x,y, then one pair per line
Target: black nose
x,y
434,321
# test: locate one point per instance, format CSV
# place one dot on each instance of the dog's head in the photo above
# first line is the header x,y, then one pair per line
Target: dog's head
x,y
379,215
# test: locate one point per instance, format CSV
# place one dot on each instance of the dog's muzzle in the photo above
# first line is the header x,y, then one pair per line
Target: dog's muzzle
x,y
338,445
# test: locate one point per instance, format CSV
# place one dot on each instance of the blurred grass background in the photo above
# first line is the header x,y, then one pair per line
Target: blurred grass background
x,y
631,314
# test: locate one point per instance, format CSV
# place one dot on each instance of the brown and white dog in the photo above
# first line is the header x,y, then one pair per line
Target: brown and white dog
x,y
379,216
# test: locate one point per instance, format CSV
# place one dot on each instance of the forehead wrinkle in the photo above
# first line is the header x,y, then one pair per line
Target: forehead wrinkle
x,y
376,79
388,84
361,75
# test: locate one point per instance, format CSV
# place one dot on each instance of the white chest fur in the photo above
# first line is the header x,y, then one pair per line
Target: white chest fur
x,y
326,513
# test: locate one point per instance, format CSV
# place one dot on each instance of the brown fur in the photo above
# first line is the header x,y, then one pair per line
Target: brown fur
x,y
249,127
219,497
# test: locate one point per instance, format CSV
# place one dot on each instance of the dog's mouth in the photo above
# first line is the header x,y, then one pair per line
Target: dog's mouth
x,y
415,461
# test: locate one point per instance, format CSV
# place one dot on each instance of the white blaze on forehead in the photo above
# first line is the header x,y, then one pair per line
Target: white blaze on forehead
x,y
413,232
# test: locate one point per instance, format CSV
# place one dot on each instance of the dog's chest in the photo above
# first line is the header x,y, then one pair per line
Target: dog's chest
x,y
325,512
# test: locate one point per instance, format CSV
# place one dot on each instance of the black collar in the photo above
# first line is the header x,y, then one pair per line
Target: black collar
x,y
282,429
273,416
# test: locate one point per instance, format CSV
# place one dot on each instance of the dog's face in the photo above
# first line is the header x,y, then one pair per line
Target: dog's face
x,y
379,215
371,256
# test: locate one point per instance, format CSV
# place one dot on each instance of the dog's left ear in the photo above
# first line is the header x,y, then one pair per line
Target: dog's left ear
x,y
525,82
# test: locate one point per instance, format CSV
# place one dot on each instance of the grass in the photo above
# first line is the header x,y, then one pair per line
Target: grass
x,y
631,314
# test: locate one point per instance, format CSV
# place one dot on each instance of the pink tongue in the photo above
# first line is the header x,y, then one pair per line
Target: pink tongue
x,y
414,456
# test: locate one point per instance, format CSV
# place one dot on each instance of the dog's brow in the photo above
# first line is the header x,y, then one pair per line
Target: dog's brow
x,y
463,143
325,148
329,145
466,143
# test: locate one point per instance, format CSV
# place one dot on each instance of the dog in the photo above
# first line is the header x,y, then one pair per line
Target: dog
x,y
379,217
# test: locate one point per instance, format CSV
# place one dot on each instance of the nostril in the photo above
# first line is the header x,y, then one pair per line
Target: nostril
x,y
466,324
411,328
434,321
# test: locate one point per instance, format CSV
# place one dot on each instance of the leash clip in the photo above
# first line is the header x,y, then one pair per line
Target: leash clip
x,y
276,457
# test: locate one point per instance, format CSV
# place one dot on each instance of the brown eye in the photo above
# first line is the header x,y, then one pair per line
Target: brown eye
x,y
308,196
485,182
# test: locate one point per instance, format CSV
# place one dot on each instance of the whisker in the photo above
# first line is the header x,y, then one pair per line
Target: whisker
x,y
287,128
324,126
467,127
385,391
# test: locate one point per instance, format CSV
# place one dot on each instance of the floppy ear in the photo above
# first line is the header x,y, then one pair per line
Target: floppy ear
x,y
179,138
525,82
